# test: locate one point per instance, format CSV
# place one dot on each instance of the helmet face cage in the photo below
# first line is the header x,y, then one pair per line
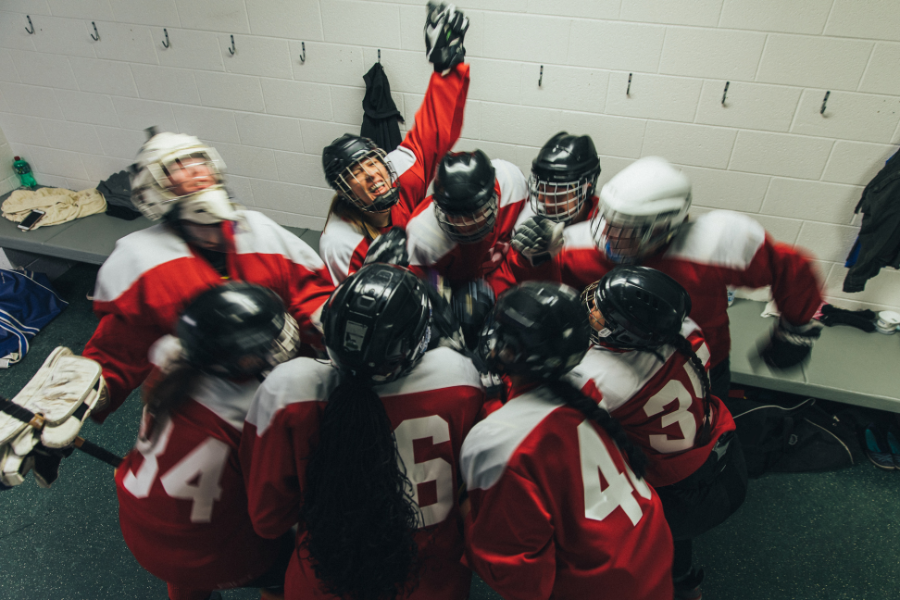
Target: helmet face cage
x,y
559,201
627,238
469,228
285,346
357,171
587,297
152,187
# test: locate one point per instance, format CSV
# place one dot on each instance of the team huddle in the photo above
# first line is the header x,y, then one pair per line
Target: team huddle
x,y
520,378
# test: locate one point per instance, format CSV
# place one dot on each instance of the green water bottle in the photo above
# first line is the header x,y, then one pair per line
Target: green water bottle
x,y
23,170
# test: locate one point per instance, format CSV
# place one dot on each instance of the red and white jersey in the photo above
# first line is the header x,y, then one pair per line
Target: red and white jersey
x,y
556,511
153,274
430,248
717,250
182,503
659,404
438,123
431,409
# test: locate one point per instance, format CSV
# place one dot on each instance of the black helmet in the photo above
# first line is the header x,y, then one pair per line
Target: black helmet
x,y
643,308
237,330
465,202
563,176
376,323
338,160
538,329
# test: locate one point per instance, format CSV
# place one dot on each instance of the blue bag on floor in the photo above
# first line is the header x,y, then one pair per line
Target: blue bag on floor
x,y
27,303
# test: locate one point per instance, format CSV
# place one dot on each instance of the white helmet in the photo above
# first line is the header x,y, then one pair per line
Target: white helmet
x,y
152,190
640,209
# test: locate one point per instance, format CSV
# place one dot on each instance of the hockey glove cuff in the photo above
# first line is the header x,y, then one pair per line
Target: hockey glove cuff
x,y
790,345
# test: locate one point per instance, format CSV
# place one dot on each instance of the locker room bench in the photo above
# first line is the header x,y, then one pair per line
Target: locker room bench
x,y
90,239
847,365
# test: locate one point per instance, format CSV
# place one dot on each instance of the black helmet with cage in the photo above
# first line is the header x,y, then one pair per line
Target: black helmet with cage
x,y
642,308
377,323
563,177
536,329
237,330
352,157
465,201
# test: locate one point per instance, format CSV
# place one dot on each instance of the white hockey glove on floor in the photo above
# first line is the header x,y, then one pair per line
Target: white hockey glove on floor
x,y
538,239
445,31
790,345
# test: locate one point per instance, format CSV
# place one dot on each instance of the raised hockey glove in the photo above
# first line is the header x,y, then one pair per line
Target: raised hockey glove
x,y
445,31
471,303
790,345
389,248
538,239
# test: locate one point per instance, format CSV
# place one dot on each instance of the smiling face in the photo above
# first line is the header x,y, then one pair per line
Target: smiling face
x,y
368,180
190,175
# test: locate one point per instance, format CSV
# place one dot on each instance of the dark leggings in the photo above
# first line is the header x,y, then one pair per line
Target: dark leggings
x,y
704,499
720,380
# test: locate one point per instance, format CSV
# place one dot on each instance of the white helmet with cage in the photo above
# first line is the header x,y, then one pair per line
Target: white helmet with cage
x,y
156,192
641,209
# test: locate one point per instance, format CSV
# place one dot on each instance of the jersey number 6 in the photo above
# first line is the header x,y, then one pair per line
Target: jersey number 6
x,y
436,469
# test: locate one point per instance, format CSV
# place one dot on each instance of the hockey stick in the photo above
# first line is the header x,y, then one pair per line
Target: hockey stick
x,y
35,421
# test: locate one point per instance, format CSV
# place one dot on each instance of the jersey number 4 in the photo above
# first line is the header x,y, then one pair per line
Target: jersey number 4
x,y
619,493
195,477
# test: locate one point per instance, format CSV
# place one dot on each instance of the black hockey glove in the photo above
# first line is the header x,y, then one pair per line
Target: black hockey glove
x,y
389,248
471,304
445,330
861,319
538,239
445,31
46,463
790,345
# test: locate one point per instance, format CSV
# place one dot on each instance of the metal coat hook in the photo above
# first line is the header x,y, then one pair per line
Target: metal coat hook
x,y
303,56
166,43
97,38
541,78
379,56
232,49
725,93
30,24
824,102
628,89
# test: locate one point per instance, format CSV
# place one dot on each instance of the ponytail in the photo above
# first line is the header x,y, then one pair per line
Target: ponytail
x,y
683,346
357,507
167,392
574,398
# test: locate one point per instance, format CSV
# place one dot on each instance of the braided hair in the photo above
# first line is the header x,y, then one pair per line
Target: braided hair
x,y
357,508
683,346
165,392
576,399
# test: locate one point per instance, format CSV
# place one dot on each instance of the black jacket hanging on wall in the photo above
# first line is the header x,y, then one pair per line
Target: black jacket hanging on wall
x,y
380,120
879,236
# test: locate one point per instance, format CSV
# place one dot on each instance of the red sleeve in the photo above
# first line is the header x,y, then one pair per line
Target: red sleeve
x,y
271,474
436,129
519,269
509,538
795,287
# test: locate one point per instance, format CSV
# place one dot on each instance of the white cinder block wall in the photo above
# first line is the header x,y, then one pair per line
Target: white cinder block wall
x,y
76,107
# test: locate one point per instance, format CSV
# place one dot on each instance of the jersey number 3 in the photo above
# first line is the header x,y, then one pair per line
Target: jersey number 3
x,y
195,477
600,503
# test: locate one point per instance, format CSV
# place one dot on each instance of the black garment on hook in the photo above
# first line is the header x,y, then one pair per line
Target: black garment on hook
x,y
879,236
381,117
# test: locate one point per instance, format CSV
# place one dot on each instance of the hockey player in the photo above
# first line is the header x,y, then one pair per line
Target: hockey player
x,y
649,366
182,502
564,179
364,451
463,230
642,219
203,240
557,511
377,191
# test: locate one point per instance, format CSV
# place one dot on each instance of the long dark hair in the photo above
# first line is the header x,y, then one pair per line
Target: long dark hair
x,y
164,393
357,505
576,399
683,346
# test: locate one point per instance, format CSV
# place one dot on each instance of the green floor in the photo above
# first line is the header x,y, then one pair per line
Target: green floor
x,y
810,536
